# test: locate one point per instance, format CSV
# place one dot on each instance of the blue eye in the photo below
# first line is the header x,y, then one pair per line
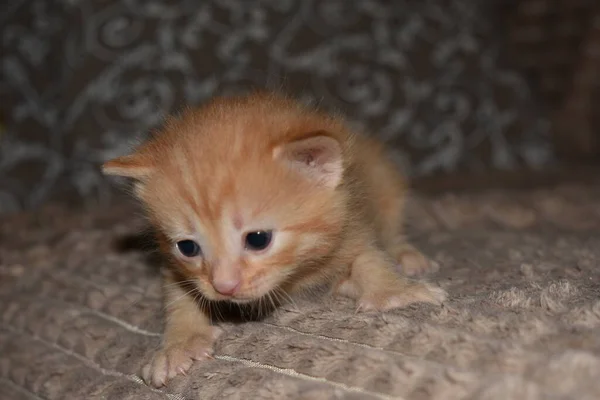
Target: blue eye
x,y
189,248
258,240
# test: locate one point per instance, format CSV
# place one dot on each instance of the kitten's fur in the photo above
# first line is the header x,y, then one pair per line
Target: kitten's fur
x,y
264,162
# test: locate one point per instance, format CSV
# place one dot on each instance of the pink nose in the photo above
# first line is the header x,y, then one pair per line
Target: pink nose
x,y
226,287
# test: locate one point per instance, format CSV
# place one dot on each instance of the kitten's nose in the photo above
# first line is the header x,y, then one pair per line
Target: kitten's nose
x,y
226,287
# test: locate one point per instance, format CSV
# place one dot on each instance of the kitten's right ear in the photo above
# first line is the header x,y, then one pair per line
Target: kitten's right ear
x,y
132,166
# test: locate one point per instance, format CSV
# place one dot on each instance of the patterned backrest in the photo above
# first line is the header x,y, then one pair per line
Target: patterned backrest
x,y
81,79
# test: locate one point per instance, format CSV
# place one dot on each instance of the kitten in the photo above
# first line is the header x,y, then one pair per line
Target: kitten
x,y
258,195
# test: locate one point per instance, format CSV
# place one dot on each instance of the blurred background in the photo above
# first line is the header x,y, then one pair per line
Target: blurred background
x,y
464,93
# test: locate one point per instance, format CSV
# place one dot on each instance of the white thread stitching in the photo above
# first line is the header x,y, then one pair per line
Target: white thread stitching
x,y
92,364
299,375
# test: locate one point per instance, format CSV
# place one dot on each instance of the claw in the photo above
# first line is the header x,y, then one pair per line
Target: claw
x,y
176,359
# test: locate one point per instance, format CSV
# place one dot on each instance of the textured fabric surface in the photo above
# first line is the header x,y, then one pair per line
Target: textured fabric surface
x,y
80,312
80,79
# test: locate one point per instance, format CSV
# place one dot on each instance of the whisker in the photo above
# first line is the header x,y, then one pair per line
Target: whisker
x,y
213,311
260,306
205,306
275,296
179,298
180,283
277,293
285,294
270,297
219,311
288,298
198,298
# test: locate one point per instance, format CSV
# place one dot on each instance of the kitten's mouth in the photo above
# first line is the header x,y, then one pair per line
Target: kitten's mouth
x,y
251,296
241,299
255,295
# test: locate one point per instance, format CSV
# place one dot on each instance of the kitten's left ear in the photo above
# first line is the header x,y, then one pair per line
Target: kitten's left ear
x,y
318,157
133,166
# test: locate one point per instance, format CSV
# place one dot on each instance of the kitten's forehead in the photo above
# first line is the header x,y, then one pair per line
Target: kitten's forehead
x,y
215,167
235,195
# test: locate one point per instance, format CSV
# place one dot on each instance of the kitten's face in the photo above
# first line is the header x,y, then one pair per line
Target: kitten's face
x,y
244,237
241,208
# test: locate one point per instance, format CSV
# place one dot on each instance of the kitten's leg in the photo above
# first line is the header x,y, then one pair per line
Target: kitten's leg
x,y
410,261
388,192
391,205
188,336
377,286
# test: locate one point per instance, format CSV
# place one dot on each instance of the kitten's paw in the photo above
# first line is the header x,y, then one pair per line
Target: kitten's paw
x,y
177,357
403,296
347,288
412,262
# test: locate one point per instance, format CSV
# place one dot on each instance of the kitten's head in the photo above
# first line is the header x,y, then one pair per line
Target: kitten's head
x,y
244,191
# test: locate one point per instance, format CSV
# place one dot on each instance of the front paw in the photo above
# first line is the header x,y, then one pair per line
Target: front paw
x,y
400,297
177,356
412,262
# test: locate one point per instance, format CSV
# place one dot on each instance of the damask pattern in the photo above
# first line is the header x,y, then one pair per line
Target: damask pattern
x,y
82,79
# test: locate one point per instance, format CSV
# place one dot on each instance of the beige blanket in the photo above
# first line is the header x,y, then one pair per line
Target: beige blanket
x,y
80,312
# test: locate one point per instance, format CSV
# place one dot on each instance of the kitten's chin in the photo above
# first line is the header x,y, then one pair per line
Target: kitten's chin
x,y
252,297
241,298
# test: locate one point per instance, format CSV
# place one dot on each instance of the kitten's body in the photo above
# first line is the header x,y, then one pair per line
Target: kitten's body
x,y
258,163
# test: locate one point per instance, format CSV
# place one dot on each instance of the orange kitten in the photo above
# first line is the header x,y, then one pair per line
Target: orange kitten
x,y
257,195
